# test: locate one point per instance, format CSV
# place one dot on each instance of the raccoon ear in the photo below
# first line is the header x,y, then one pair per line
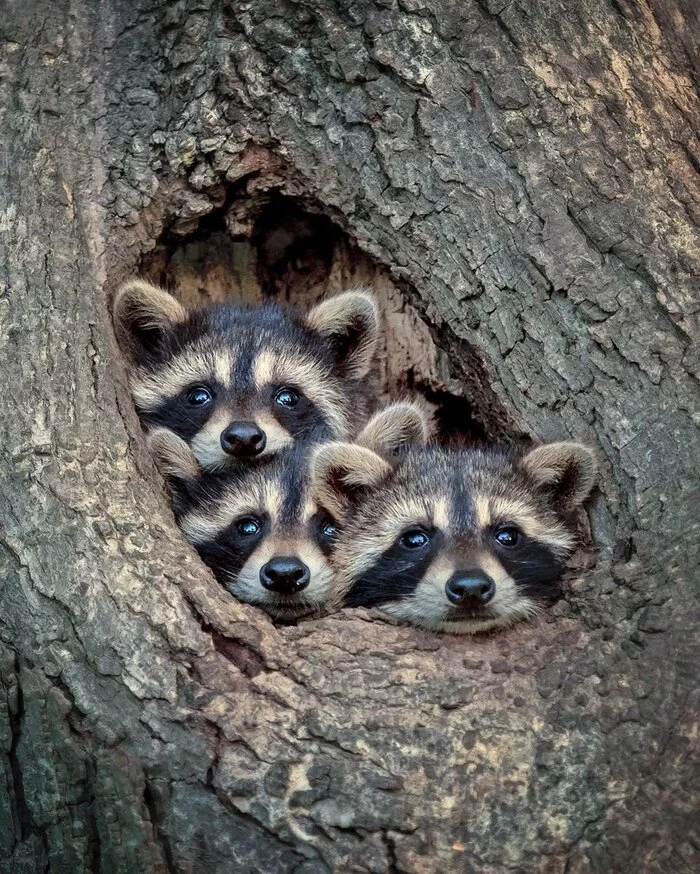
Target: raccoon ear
x,y
569,470
341,473
143,315
173,457
394,428
350,321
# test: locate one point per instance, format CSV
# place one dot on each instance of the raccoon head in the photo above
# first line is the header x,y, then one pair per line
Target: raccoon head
x,y
240,383
258,528
459,541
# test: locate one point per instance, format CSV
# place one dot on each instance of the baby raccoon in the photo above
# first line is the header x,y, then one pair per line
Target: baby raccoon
x,y
240,382
456,540
260,527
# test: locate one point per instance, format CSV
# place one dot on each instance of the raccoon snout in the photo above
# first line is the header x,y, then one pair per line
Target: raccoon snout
x,y
470,588
243,438
286,576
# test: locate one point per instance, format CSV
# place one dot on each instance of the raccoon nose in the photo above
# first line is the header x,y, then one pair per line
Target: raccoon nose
x,y
470,588
243,438
287,576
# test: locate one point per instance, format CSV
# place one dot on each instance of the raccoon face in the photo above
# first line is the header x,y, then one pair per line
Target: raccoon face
x,y
458,541
245,382
258,528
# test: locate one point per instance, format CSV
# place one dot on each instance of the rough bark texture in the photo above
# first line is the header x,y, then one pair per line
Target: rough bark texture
x,y
526,175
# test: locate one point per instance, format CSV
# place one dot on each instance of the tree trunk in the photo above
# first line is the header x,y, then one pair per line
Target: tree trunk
x,y
520,182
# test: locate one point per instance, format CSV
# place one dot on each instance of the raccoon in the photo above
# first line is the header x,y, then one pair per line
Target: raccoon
x,y
240,383
459,540
260,528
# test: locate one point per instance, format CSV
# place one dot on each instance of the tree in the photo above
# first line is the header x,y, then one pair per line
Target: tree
x,y
521,182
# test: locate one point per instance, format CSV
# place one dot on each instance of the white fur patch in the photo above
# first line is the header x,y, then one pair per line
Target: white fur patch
x,y
205,524
248,587
151,389
310,378
429,607
364,548
276,437
546,529
206,443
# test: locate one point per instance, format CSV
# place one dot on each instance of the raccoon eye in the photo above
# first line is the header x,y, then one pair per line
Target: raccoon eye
x,y
507,536
416,538
287,397
199,396
248,527
329,529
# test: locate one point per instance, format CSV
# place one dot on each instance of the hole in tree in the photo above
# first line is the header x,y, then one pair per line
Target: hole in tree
x,y
294,250
271,246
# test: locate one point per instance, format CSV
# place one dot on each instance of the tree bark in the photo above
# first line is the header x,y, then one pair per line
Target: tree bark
x,y
524,176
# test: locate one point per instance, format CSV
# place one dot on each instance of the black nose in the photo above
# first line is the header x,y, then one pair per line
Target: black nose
x,y
470,588
287,576
243,438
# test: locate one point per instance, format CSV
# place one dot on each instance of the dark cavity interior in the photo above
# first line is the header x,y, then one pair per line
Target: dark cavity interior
x,y
271,246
